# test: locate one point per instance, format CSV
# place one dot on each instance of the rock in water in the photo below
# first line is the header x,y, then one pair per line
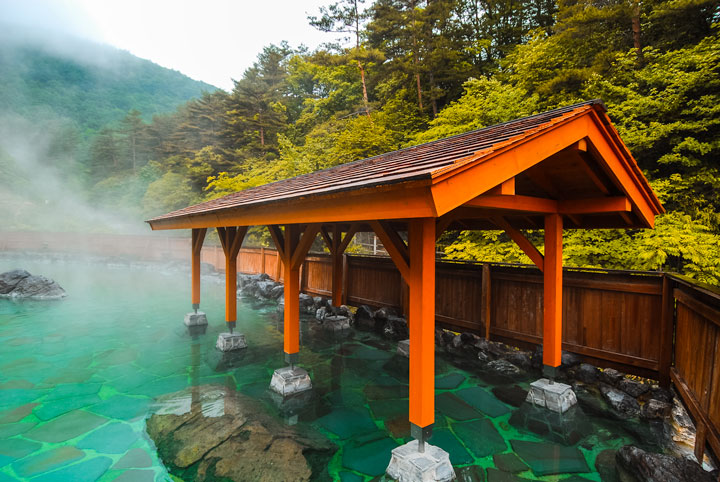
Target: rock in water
x,y
649,467
10,279
19,284
212,432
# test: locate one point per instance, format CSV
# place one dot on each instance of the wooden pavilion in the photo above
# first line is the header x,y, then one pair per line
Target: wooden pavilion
x,y
563,169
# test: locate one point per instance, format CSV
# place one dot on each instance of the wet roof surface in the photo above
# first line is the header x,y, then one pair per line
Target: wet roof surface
x,y
412,163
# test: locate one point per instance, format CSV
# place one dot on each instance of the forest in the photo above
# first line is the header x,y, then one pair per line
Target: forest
x,y
403,72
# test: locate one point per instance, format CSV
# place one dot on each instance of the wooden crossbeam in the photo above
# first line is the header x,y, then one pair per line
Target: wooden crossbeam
x,y
354,228
303,246
277,236
395,246
506,188
529,204
523,242
329,242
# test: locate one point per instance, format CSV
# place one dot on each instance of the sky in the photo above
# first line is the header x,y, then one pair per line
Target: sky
x,y
209,40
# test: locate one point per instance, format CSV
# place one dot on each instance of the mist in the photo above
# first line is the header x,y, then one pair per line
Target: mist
x,y
40,186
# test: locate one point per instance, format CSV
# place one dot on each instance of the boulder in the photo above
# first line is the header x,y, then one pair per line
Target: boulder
x,y
611,376
503,368
519,358
623,404
569,359
277,291
396,328
364,318
633,387
32,287
10,279
384,313
321,313
655,410
305,300
650,467
587,373
212,432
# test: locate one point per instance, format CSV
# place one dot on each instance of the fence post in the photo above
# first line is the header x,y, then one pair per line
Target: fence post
x,y
667,327
262,259
486,299
345,279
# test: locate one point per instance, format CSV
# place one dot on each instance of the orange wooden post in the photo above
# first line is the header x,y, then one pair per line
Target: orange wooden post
x,y
421,234
198,236
291,322
553,283
337,267
231,239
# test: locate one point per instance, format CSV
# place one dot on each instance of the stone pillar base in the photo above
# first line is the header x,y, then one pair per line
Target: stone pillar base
x,y
409,465
195,319
290,380
230,341
554,396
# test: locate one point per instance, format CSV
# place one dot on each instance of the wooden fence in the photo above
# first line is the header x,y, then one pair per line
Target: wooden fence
x,y
653,324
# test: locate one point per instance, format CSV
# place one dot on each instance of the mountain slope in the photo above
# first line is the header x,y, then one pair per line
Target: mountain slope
x,y
91,84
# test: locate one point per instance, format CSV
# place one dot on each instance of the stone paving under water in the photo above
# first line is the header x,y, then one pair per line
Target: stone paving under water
x,y
78,378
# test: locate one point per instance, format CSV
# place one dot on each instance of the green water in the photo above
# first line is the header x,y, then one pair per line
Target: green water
x,y
78,376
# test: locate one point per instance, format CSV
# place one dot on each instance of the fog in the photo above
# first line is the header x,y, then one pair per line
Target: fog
x,y
43,192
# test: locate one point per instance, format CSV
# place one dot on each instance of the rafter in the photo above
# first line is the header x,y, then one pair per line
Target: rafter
x,y
528,248
278,238
303,246
395,246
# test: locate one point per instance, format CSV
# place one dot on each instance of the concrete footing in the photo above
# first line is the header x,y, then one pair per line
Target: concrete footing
x,y
407,464
230,341
554,396
195,318
290,380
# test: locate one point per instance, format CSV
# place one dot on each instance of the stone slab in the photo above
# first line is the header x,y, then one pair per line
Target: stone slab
x,y
407,464
195,319
554,396
231,341
290,380
336,323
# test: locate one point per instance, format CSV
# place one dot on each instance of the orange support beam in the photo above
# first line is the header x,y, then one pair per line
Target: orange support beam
x,y
198,236
524,243
553,283
231,239
337,244
292,249
421,233
394,245
291,320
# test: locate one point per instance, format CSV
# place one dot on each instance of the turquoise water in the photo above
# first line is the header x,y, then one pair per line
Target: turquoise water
x,y
78,377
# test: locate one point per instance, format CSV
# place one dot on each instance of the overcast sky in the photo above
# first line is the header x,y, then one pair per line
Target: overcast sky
x,y
209,40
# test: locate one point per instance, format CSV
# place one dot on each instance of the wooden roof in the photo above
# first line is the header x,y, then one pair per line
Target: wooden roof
x,y
569,160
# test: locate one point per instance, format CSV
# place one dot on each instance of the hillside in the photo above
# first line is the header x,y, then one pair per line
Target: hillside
x,y
91,84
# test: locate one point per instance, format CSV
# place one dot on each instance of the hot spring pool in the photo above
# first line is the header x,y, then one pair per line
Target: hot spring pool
x,y
78,378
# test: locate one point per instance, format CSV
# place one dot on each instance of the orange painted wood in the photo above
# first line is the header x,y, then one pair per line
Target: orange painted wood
x,y
337,267
397,201
525,204
396,249
595,205
422,321
198,236
507,188
231,239
303,246
291,321
455,187
553,286
528,248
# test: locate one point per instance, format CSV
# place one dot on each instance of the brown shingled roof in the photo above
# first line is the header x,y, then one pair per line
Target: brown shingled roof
x,y
423,161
